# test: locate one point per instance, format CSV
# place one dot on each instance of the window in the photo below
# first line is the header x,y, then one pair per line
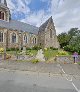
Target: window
x,y
13,38
1,37
50,33
25,39
34,40
1,15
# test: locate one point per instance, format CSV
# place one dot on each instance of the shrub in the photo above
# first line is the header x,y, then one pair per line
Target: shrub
x,y
12,49
34,61
36,48
28,48
63,53
8,56
53,48
1,50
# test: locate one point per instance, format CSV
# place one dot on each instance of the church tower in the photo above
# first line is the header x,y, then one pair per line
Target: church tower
x,y
4,11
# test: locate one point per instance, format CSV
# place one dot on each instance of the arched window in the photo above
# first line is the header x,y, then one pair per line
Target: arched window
x,y
1,15
51,33
25,39
34,40
13,38
1,37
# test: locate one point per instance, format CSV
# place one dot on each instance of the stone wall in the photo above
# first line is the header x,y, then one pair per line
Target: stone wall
x,y
4,31
67,59
47,35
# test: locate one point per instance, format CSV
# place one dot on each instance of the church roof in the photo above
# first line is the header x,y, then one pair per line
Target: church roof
x,y
17,25
3,2
43,26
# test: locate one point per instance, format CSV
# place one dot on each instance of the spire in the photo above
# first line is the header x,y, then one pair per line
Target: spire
x,y
3,2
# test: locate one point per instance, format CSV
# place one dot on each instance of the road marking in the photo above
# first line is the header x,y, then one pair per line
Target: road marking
x,y
63,70
75,87
68,79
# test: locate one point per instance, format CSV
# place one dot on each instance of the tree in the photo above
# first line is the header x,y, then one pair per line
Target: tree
x,y
63,39
73,32
71,40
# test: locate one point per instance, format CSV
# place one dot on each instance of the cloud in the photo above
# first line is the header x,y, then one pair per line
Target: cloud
x,y
19,6
36,19
66,13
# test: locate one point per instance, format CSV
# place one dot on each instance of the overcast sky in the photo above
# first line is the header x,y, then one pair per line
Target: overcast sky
x,y
66,13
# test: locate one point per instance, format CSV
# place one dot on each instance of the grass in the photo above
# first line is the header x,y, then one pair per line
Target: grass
x,y
31,52
11,52
50,53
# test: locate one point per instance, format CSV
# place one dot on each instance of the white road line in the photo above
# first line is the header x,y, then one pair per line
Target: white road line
x,y
63,70
68,79
75,87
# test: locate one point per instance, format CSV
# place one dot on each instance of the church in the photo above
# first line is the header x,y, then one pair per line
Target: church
x,y
16,34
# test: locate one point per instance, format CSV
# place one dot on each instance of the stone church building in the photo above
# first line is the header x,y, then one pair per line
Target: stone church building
x,y
18,34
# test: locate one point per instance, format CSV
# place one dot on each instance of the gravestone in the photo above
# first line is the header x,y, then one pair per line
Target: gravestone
x,y
40,55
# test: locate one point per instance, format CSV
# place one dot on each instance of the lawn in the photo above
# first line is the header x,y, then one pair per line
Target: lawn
x,y
31,52
50,53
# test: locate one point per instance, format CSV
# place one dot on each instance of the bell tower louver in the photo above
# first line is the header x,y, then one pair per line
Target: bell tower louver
x,y
4,11
3,2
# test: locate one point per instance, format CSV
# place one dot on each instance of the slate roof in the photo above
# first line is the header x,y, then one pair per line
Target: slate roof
x,y
43,26
20,26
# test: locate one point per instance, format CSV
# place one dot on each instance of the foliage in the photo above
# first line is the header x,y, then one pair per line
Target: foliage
x,y
36,48
70,41
28,48
61,52
53,48
31,52
73,32
8,56
50,53
12,49
34,61
1,50
74,45
63,39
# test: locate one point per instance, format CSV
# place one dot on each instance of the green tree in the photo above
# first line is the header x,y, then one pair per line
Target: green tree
x,y
73,32
63,39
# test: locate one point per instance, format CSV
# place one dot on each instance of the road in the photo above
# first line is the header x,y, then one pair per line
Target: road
x,y
26,81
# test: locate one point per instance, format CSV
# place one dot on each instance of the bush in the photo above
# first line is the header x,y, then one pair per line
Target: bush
x,y
34,61
12,49
1,50
63,53
53,48
28,48
71,49
36,48
8,56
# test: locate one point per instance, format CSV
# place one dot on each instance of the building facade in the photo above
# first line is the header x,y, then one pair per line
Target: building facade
x,y
18,34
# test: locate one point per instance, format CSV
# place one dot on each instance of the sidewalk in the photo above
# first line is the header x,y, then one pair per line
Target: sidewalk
x,y
71,69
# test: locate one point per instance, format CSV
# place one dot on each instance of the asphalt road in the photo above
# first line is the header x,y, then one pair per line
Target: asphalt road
x,y
25,81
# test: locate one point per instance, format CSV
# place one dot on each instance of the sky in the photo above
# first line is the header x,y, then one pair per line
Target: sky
x,y
65,13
